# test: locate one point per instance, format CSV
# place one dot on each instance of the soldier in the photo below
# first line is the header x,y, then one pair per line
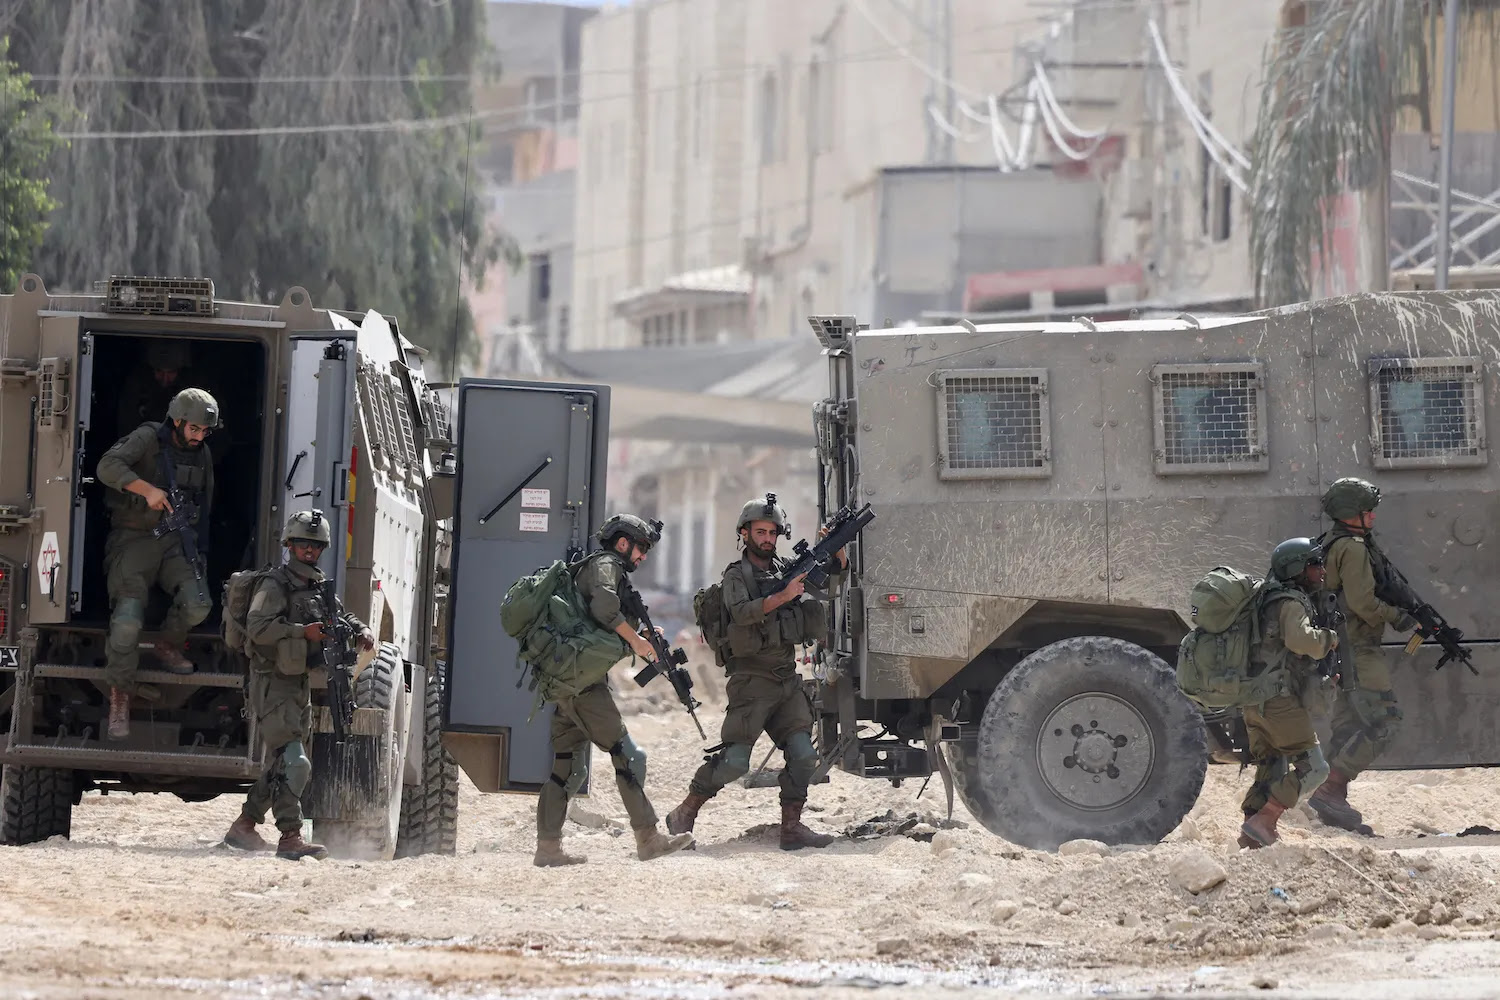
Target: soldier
x,y
765,693
149,388
285,626
592,717
1367,718
1289,763
139,470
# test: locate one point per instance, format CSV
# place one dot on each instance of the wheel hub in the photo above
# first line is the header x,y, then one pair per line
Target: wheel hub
x,y
1095,751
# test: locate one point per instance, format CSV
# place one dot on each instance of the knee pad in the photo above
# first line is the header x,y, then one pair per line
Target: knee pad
x,y
801,758
577,771
732,762
630,760
296,768
1312,771
125,623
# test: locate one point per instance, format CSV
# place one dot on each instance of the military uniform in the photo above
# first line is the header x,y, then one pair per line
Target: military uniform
x,y
134,559
1289,763
285,601
591,717
765,693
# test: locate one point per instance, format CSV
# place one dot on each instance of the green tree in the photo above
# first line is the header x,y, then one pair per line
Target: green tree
x,y
27,139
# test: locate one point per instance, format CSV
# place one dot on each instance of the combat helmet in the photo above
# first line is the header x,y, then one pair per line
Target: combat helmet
x,y
307,526
764,509
1290,559
639,530
168,355
195,406
1350,497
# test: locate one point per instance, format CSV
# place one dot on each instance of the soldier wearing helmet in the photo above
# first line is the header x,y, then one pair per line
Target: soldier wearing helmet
x,y
1289,763
285,627
1367,718
148,388
765,692
139,470
591,718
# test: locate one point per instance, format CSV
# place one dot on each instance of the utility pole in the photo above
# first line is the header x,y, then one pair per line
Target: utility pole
x,y
1445,170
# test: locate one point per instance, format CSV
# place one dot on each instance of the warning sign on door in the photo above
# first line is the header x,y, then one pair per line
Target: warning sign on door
x,y
47,560
537,498
533,522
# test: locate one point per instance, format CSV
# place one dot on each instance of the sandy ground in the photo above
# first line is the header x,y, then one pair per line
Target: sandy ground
x,y
144,902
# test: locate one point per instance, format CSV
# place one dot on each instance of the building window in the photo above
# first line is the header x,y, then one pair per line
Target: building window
x,y
770,125
541,278
1427,412
1210,418
562,328
994,424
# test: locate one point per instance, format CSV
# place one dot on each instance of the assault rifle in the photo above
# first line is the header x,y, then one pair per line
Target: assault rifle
x,y
819,560
1392,588
667,660
180,520
339,657
1329,615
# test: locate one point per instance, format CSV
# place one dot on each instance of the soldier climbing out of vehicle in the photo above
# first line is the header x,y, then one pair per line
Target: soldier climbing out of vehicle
x,y
758,632
588,715
1289,763
284,638
141,470
147,389
1366,718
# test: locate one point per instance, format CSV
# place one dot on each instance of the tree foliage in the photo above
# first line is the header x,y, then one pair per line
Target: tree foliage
x,y
26,142
375,219
1334,88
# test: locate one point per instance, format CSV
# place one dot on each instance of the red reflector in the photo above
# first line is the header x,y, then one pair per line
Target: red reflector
x,y
893,598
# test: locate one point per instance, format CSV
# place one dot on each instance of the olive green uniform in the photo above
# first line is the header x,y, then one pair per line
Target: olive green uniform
x,y
285,602
765,693
1289,764
592,718
134,560
1366,718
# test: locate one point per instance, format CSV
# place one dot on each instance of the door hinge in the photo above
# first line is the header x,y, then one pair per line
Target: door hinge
x,y
13,518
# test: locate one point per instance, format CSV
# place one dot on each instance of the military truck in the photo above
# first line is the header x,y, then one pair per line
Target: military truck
x,y
321,408
1048,493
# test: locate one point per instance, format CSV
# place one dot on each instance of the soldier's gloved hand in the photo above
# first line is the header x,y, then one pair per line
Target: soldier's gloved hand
x,y
1404,624
367,639
314,632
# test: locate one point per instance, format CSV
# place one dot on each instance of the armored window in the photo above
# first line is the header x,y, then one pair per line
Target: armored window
x,y
993,424
1210,418
1427,412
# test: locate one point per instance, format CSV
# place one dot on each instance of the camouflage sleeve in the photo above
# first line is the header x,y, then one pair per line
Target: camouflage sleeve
x,y
743,609
351,620
266,620
1300,635
115,468
1350,563
599,586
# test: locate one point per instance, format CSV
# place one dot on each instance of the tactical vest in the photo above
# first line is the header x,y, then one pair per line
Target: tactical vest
x,y
1360,632
190,466
304,605
778,634
1270,653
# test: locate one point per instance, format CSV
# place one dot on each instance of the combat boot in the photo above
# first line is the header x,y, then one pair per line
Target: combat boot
x,y
243,836
652,843
681,819
119,713
1331,803
549,854
1261,827
795,836
171,657
292,847
1247,842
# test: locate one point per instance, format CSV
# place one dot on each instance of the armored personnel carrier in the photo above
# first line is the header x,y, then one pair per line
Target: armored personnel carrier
x,y
1048,493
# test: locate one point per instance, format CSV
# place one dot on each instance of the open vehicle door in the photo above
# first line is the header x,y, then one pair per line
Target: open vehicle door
x,y
320,434
530,489
59,421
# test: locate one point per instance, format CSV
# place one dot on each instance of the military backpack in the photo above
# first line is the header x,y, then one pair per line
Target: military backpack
x,y
1215,661
239,591
565,649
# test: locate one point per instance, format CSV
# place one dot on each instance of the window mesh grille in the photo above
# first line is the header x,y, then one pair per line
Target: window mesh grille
x,y
1210,417
1429,411
995,423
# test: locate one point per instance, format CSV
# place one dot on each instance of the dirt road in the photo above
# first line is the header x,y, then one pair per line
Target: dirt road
x,y
143,902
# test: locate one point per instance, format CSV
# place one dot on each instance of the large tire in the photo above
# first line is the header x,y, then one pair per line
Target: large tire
x,y
371,834
429,812
35,803
1086,738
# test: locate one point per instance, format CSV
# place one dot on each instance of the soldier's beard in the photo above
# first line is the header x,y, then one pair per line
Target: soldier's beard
x,y
765,551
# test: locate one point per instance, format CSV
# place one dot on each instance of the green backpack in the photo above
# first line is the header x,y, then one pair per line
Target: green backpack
x,y
712,618
1214,666
239,590
559,640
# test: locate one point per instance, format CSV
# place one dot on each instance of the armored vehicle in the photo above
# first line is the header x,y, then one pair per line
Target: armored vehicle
x,y
1048,493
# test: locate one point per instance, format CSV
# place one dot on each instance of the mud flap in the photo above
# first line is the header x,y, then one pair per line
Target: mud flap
x,y
348,780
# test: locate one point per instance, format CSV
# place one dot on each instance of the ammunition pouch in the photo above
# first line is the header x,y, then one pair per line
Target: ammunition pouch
x,y
291,656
